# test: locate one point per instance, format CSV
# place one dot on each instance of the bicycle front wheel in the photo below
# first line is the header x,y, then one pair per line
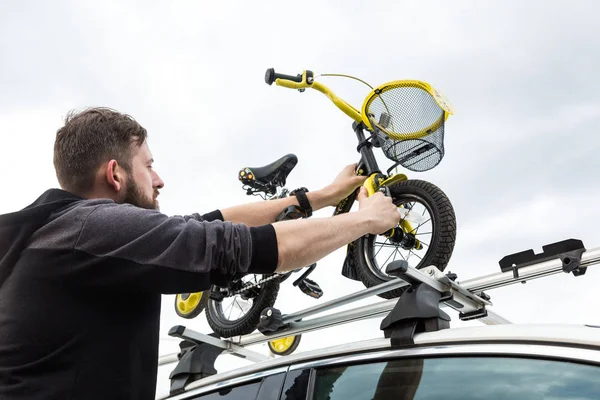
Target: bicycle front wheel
x,y
430,241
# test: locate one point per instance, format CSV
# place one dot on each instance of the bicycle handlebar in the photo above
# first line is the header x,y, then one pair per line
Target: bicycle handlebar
x,y
271,76
306,80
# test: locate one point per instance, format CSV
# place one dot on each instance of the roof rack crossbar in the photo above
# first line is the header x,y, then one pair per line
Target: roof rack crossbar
x,y
433,287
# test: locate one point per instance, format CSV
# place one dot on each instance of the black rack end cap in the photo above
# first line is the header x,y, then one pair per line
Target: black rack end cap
x,y
177,330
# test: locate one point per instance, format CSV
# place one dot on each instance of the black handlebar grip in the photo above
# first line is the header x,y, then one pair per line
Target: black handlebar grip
x,y
271,76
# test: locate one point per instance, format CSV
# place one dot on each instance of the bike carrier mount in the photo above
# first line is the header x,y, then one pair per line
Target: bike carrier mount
x,y
417,310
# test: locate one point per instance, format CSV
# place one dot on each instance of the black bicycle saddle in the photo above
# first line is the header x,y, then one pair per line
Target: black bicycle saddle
x,y
274,173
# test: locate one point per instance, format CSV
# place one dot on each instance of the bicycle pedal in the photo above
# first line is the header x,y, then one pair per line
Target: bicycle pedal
x,y
306,273
310,288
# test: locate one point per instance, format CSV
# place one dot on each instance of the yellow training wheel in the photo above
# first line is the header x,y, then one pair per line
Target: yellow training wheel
x,y
284,346
190,305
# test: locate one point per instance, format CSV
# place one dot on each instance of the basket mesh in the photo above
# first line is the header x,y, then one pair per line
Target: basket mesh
x,y
412,112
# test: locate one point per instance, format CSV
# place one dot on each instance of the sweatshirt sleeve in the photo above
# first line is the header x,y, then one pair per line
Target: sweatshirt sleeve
x,y
175,254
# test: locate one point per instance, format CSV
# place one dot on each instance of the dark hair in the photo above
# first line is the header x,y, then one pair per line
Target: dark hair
x,y
88,139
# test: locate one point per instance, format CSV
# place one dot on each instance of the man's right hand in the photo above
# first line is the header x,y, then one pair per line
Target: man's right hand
x,y
302,242
380,211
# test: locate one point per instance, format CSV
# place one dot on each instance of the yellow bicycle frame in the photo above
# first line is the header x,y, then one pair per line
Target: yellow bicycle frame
x,y
370,184
340,103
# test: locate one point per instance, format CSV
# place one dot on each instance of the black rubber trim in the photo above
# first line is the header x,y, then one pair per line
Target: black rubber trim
x,y
213,216
265,252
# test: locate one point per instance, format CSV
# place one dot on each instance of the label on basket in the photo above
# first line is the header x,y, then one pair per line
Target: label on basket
x,y
443,101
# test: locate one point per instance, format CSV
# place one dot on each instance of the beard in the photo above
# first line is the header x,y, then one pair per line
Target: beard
x,y
134,196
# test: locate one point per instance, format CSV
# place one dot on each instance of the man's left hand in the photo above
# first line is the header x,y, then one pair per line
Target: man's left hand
x,y
343,185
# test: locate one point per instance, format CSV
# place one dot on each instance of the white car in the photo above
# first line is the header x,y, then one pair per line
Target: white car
x,y
554,362
418,357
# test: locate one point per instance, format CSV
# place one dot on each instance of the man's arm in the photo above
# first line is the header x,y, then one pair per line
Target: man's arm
x,y
123,246
265,212
303,242
128,248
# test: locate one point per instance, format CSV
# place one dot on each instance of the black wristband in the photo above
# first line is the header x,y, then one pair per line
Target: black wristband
x,y
303,200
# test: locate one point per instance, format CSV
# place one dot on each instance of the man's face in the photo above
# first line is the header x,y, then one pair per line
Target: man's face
x,y
143,182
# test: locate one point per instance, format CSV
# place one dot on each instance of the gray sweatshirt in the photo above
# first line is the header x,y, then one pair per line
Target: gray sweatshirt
x,y
81,284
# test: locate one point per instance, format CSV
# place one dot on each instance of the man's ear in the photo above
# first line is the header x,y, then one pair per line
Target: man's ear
x,y
115,175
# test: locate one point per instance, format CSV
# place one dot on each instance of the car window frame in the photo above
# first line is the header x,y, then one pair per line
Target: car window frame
x,y
562,352
236,381
581,355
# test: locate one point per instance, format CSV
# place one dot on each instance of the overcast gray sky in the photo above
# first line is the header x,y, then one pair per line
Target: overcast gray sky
x,y
521,158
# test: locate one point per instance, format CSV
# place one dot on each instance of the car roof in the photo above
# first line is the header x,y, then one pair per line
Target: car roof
x,y
583,335
561,335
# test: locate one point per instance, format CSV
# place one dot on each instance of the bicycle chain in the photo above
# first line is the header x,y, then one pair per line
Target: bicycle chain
x,y
252,285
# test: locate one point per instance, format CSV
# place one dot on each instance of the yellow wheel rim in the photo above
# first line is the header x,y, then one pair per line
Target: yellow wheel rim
x,y
281,345
187,302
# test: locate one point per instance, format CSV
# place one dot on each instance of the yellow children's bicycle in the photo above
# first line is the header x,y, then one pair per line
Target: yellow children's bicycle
x,y
406,120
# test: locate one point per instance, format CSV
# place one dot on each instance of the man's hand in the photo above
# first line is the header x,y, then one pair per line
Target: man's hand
x,y
266,212
343,185
382,213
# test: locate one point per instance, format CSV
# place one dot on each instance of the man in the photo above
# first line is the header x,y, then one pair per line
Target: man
x,y
82,269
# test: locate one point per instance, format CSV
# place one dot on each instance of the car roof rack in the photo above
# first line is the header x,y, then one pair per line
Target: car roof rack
x,y
417,310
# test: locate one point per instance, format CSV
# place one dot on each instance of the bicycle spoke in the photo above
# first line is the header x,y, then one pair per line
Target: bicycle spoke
x,y
423,233
415,254
230,306
386,261
388,245
399,252
229,316
418,226
380,248
240,308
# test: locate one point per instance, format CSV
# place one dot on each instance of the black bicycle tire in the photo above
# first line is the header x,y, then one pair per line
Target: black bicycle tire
x,y
248,323
443,237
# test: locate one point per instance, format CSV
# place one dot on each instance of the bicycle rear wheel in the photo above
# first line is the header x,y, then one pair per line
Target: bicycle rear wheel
x,y
239,314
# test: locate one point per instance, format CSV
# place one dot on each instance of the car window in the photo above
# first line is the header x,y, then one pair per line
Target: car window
x,y
296,385
271,387
268,388
246,391
459,378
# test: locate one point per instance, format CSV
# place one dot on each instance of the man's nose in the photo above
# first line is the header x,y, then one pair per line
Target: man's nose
x,y
158,182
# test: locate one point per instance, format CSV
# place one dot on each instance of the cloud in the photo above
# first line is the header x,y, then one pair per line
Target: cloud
x,y
521,152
